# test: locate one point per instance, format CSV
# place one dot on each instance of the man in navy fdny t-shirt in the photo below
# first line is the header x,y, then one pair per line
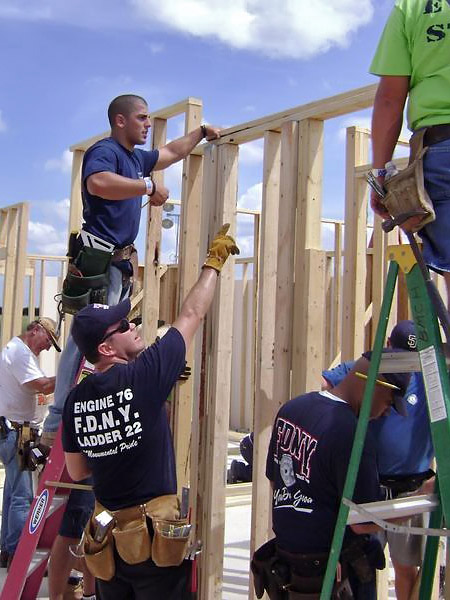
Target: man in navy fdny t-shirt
x,y
308,459
115,425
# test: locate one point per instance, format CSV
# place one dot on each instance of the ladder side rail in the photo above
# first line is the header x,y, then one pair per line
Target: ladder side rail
x,y
431,553
16,579
360,434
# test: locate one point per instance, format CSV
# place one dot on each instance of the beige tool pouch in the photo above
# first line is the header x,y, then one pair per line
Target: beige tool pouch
x,y
99,556
131,535
168,550
132,539
406,193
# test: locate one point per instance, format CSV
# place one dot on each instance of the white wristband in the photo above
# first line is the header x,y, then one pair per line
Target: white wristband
x,y
379,172
149,185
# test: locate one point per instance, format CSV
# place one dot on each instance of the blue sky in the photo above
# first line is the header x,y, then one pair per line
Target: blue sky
x,y
63,61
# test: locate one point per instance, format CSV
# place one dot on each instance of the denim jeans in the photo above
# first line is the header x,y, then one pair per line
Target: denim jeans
x,y
436,235
70,359
17,493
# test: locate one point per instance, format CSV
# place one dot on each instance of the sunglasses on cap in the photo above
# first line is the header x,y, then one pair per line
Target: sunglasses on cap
x,y
123,327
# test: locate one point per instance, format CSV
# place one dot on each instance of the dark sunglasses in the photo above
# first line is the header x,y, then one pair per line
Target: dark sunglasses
x,y
123,327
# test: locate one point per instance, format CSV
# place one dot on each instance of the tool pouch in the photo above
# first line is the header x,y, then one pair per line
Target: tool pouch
x,y
406,194
169,545
87,280
99,556
364,554
263,568
131,535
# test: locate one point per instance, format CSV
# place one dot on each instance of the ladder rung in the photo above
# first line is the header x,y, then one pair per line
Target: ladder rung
x,y
402,362
37,559
57,502
400,507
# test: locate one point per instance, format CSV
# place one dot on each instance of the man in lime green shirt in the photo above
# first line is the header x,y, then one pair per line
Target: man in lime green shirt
x,y
412,59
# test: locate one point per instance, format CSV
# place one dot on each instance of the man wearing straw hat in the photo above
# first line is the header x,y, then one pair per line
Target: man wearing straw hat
x,y
21,379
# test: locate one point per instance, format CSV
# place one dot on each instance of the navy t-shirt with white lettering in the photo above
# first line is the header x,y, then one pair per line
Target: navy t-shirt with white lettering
x,y
118,420
115,221
307,462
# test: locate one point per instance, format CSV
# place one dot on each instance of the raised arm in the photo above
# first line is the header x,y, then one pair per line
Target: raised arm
x,y
181,147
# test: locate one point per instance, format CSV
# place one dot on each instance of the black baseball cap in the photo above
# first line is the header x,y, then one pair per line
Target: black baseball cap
x,y
403,336
91,323
400,380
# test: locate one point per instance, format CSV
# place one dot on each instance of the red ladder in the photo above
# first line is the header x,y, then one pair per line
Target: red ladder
x,y
30,560
31,556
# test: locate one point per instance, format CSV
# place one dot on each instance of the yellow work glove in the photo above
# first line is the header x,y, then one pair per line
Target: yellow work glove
x,y
222,246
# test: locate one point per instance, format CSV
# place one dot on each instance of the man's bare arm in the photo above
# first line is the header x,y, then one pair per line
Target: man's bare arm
x,y
387,119
43,385
77,465
180,148
111,186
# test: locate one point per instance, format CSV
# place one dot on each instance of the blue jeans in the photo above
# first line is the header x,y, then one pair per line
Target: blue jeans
x,y
17,493
436,235
70,360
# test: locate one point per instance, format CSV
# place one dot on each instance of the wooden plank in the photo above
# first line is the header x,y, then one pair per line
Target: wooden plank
x,y
12,226
76,203
189,266
265,404
354,248
150,308
307,344
199,480
19,269
337,289
327,333
219,385
309,308
326,108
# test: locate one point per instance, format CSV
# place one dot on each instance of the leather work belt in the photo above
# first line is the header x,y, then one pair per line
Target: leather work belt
x,y
436,133
123,253
403,484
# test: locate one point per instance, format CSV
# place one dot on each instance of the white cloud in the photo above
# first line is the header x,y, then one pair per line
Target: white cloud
x,y
63,164
3,126
278,28
252,152
252,198
154,47
46,239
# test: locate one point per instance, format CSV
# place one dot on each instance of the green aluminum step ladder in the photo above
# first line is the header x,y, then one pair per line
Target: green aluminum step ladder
x,y
437,386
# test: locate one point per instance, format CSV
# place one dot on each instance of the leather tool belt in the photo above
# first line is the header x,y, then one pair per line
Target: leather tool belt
x,y
139,533
123,253
406,197
30,452
436,133
402,484
287,576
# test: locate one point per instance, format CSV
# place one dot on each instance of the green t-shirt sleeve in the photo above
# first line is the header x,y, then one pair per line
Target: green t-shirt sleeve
x,y
392,56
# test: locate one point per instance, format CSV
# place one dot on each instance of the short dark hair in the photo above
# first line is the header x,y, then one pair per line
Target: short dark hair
x,y
123,105
93,356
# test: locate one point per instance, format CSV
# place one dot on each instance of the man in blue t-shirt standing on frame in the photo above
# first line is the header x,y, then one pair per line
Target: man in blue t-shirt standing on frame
x,y
115,176
115,427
